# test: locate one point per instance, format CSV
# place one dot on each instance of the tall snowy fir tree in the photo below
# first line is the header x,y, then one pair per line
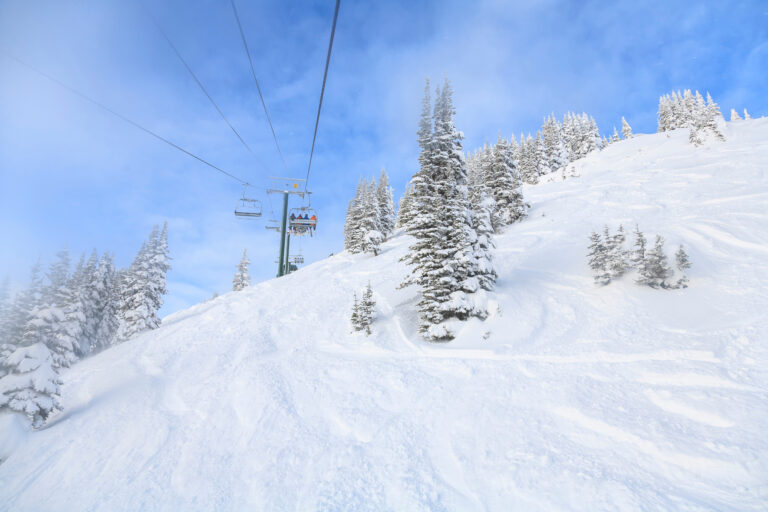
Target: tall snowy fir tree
x,y
598,259
626,130
143,285
682,263
352,235
106,295
370,236
242,278
29,379
504,183
386,205
654,270
404,210
442,253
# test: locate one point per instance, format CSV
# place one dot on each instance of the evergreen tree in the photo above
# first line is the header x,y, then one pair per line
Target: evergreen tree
x,y
29,382
598,259
504,184
654,269
355,319
25,303
143,286
442,253
58,319
482,270
617,255
106,294
746,114
242,278
386,205
352,234
366,313
370,236
404,210
555,153
683,264
638,254
735,115
626,130
615,137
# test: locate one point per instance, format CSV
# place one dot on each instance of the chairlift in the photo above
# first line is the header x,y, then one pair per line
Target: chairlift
x,y
248,207
302,221
297,259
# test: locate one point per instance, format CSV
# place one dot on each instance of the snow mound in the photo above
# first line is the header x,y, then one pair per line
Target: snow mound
x,y
567,397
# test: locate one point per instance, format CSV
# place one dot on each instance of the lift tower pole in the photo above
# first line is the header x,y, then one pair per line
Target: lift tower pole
x,y
286,187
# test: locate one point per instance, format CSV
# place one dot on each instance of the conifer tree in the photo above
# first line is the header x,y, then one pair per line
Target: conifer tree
x,y
5,310
386,205
615,137
242,278
370,236
352,235
735,115
504,185
355,319
617,255
106,288
56,322
746,114
654,269
366,313
442,252
143,285
598,259
638,254
683,264
404,210
29,382
626,130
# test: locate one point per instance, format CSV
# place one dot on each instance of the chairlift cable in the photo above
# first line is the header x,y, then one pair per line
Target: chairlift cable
x,y
258,87
122,117
197,80
322,91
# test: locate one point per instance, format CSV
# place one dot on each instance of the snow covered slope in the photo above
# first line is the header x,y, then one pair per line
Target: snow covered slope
x,y
569,397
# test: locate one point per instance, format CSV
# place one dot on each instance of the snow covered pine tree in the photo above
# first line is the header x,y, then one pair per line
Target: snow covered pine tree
x,y
242,279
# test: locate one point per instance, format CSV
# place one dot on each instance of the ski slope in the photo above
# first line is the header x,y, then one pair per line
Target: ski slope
x,y
568,397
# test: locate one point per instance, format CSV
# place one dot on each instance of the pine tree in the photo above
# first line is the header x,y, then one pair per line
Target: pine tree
x,y
655,270
25,303
143,286
504,185
626,130
617,255
615,137
735,115
683,264
638,254
355,319
386,205
352,234
370,236
242,278
554,150
442,252
29,382
404,210
58,320
482,269
106,289
366,313
598,259
746,114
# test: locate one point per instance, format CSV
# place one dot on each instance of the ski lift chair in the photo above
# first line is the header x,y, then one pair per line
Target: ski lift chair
x,y
248,207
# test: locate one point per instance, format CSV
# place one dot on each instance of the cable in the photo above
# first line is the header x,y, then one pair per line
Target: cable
x,y
120,116
258,88
322,91
199,83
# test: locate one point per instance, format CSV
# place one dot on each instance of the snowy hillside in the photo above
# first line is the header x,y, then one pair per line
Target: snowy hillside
x,y
568,397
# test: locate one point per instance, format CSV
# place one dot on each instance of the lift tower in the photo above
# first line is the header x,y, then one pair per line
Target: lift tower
x,y
286,187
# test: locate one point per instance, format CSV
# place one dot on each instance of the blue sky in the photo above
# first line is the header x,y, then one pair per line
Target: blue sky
x,y
72,175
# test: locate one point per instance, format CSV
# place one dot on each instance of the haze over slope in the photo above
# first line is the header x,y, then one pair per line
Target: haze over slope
x,y
568,397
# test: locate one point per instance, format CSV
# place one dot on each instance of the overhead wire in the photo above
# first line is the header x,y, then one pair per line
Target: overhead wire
x,y
258,87
197,80
322,92
123,118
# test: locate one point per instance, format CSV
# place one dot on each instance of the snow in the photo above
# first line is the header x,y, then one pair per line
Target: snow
x,y
569,396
